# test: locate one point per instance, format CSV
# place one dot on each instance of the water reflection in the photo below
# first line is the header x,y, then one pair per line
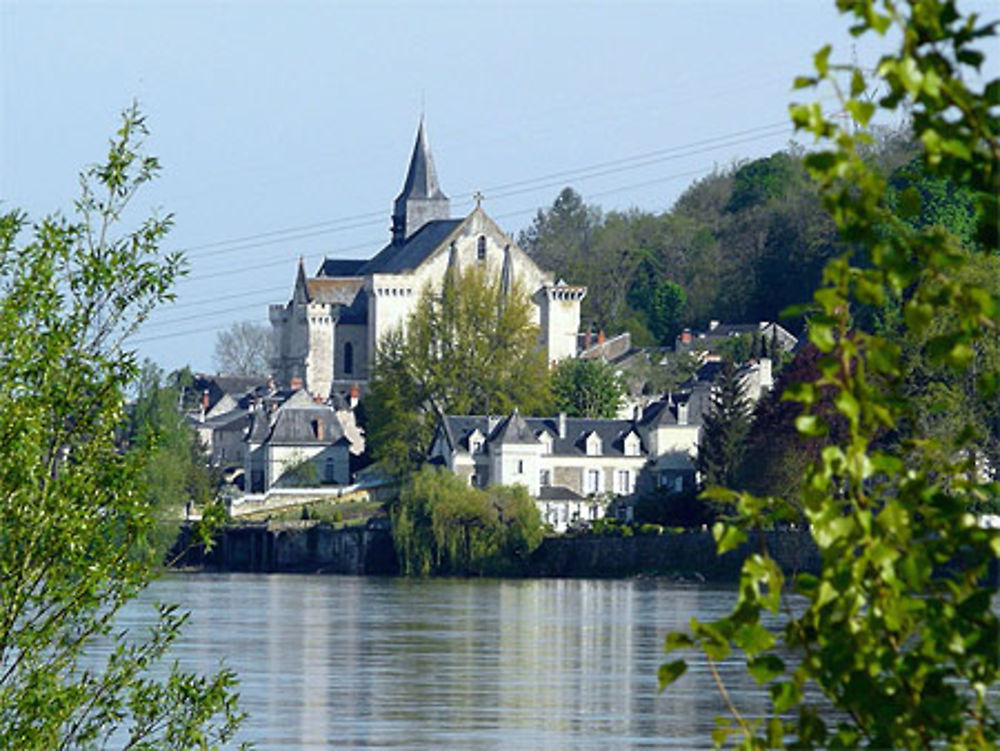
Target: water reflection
x,y
341,662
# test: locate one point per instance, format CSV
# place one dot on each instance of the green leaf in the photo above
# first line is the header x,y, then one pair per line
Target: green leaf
x,y
821,60
676,640
670,672
811,426
785,695
727,537
753,638
765,667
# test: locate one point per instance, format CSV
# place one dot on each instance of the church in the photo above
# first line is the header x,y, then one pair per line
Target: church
x,y
324,339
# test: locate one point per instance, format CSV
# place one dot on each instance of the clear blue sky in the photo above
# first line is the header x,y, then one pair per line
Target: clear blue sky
x,y
284,128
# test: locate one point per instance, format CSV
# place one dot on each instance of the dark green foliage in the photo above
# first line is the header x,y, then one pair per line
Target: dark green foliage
x,y
724,432
77,514
764,180
442,525
587,388
673,509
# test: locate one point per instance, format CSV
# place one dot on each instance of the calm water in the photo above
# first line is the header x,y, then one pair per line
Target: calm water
x,y
341,662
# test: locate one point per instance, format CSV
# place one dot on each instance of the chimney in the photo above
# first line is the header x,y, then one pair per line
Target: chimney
x,y
491,422
562,424
270,384
204,405
295,384
586,339
636,414
682,413
600,336
354,394
686,336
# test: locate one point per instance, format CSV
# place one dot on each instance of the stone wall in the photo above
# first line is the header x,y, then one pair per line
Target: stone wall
x,y
308,547
686,555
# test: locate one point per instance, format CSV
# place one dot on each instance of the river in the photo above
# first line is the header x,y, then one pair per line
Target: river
x,y
335,662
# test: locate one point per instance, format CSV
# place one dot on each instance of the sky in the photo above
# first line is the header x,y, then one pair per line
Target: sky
x,y
284,129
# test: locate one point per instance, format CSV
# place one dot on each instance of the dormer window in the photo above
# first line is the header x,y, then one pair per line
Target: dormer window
x,y
481,248
476,440
632,444
477,446
594,447
546,440
317,429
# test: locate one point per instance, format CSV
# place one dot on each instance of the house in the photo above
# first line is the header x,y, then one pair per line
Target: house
x,y
775,337
223,414
325,337
577,469
298,443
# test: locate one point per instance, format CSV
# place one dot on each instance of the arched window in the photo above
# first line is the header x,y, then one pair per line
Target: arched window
x,y
481,248
348,358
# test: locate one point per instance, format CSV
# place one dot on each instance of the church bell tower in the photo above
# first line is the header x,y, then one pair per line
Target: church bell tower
x,y
422,199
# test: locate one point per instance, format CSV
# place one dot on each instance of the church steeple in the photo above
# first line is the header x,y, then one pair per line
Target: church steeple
x,y
422,199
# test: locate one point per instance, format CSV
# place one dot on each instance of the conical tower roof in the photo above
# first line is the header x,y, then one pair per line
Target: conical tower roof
x,y
421,177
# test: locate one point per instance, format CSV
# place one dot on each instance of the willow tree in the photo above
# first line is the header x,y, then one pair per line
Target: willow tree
x,y
470,347
896,632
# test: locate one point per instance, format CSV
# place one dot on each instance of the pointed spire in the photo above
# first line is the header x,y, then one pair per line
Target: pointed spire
x,y
422,199
506,272
301,293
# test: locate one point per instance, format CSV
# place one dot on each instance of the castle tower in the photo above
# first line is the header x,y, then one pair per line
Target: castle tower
x,y
422,199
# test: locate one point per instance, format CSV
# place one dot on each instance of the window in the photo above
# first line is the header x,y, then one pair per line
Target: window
x,y
317,429
481,248
476,445
330,470
592,481
623,482
593,445
348,358
545,478
520,466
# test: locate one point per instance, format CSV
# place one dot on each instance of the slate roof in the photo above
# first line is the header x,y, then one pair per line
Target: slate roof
x,y
558,493
340,267
292,424
338,291
421,177
220,385
407,255
665,412
612,433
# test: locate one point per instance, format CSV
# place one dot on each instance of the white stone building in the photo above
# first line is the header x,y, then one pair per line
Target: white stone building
x,y
324,339
578,469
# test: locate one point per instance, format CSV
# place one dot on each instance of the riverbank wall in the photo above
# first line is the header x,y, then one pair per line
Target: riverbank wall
x,y
683,555
315,547
300,547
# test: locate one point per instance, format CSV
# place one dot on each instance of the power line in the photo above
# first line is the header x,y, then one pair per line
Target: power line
x,y
599,169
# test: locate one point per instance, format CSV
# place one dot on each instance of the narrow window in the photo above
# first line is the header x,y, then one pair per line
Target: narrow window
x,y
520,466
481,248
545,478
348,358
330,469
317,429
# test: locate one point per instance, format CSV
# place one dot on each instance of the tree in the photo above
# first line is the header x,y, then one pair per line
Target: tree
x,y
724,432
442,525
76,514
176,469
587,388
243,348
468,348
897,631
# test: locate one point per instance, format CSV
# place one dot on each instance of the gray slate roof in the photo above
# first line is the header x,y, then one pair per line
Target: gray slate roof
x,y
334,267
407,255
612,433
421,177
297,422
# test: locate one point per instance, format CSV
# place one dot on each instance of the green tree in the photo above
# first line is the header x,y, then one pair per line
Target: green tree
x,y
468,348
587,388
176,469
442,525
725,428
897,632
76,514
